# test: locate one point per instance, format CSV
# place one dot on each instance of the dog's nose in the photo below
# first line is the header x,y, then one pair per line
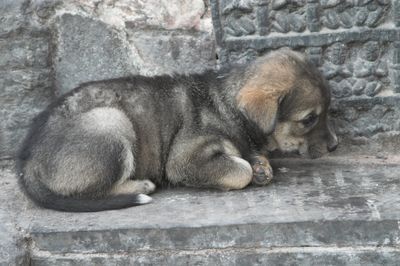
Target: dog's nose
x,y
332,146
332,138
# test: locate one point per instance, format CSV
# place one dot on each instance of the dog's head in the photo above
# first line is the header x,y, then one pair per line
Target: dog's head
x,y
287,97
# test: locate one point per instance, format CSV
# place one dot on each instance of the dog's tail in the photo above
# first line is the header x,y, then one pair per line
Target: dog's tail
x,y
44,197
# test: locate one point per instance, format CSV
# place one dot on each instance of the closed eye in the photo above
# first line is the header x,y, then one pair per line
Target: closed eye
x,y
310,120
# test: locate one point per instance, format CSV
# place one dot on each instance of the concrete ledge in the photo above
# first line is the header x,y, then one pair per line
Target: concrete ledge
x,y
242,257
333,211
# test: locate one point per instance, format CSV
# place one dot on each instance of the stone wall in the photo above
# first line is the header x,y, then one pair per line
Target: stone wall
x,y
48,47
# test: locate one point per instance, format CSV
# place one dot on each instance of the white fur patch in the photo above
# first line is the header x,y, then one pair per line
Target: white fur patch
x,y
107,119
144,199
129,165
246,165
239,178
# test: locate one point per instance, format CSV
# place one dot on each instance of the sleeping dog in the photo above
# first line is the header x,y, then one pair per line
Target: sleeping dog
x,y
107,143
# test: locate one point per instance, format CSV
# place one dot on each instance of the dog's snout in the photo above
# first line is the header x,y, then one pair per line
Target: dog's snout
x,y
332,138
332,148
332,145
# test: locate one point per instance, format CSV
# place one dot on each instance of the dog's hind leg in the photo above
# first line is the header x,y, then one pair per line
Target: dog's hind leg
x,y
84,164
133,187
208,161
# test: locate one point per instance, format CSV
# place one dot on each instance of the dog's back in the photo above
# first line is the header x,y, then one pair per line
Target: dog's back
x,y
87,145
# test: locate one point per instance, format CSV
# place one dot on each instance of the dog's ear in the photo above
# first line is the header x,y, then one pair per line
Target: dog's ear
x,y
270,78
260,105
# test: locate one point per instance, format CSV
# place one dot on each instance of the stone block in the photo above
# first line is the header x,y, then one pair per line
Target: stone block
x,y
150,14
24,94
24,52
367,124
87,50
130,37
170,53
108,39
13,248
11,16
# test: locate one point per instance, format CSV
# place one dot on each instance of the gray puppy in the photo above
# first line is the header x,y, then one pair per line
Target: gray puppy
x,y
106,144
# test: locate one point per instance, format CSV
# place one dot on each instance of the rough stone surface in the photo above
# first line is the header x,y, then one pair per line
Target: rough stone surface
x,y
25,93
12,245
368,124
87,50
108,39
179,53
290,256
11,16
25,73
332,211
150,14
18,53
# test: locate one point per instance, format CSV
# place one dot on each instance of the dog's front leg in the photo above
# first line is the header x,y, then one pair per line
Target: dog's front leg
x,y
262,170
208,162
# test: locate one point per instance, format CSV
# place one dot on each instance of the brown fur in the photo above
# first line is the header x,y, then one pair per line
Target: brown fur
x,y
261,95
265,99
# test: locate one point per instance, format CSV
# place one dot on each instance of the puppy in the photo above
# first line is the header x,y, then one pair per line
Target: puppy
x,y
106,144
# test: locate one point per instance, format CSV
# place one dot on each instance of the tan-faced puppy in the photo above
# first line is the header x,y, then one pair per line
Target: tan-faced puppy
x,y
294,97
107,143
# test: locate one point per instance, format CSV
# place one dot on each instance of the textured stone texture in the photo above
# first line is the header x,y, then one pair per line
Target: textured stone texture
x,y
334,211
24,93
150,14
290,256
356,44
369,125
25,73
87,50
12,237
11,16
180,53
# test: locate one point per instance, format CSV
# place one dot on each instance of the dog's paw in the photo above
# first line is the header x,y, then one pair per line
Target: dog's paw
x,y
134,187
262,173
145,186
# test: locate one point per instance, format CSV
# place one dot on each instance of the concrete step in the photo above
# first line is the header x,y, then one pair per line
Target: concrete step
x,y
334,211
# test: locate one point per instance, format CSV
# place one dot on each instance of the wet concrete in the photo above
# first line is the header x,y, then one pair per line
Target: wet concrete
x,y
316,211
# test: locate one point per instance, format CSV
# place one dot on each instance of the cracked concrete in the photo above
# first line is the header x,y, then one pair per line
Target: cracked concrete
x,y
337,211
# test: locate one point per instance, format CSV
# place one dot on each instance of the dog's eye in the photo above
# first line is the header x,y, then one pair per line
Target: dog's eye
x,y
309,120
